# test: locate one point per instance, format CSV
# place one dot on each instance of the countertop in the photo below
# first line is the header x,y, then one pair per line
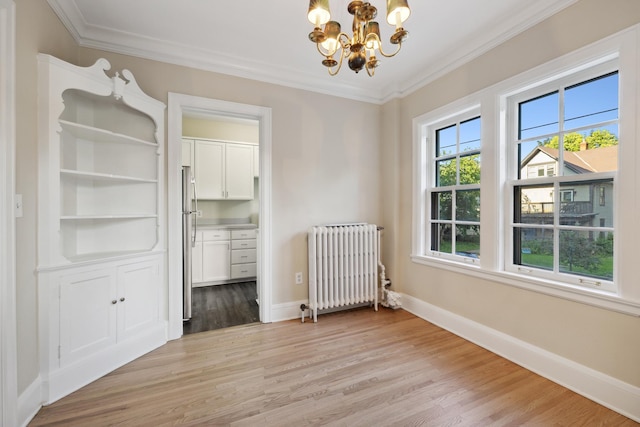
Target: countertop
x,y
228,224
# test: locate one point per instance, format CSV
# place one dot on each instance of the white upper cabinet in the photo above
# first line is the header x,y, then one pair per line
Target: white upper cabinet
x,y
187,152
239,171
224,170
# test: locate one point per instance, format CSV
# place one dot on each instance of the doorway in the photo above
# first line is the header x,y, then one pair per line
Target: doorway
x,y
220,154
185,105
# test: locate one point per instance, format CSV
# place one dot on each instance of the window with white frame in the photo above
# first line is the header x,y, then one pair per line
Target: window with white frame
x,y
559,179
557,228
453,189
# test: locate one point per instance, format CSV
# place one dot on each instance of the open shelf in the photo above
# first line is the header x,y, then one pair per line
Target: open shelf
x,y
91,133
95,176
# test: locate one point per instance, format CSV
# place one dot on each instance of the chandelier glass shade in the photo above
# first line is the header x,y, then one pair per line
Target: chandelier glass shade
x,y
361,47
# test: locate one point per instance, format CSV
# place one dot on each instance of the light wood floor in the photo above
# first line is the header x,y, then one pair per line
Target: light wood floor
x,y
355,368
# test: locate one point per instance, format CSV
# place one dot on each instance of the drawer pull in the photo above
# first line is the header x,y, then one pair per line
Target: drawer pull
x,y
114,301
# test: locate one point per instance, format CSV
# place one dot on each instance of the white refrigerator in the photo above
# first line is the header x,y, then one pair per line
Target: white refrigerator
x,y
189,227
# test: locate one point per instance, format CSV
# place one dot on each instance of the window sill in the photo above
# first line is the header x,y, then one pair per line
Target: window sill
x,y
596,298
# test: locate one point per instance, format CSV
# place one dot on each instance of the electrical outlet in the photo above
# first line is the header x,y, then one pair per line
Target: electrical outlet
x,y
199,214
299,278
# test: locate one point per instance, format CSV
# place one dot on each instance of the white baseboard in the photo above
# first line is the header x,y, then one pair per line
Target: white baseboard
x,y
617,395
30,402
287,311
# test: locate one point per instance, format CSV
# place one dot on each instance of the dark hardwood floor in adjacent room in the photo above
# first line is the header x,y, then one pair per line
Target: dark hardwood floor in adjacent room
x,y
354,368
222,306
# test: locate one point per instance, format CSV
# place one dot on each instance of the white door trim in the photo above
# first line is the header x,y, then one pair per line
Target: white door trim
x,y
8,343
178,104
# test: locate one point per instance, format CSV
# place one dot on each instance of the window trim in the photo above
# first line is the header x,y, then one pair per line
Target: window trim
x,y
492,102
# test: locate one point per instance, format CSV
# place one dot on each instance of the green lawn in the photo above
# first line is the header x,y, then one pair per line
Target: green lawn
x,y
603,271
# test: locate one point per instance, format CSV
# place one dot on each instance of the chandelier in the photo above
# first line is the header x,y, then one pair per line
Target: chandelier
x,y
361,47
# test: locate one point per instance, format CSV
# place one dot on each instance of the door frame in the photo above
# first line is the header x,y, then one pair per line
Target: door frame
x,y
178,105
8,327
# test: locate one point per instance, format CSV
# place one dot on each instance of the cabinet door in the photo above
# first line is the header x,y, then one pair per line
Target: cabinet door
x,y
138,287
196,262
87,314
209,170
256,161
187,152
216,260
239,171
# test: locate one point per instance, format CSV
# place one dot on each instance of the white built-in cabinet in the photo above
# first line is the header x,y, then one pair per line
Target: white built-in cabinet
x,y
100,221
256,161
187,152
223,170
210,257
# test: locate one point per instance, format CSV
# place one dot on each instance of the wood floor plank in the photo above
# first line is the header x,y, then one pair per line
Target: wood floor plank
x,y
353,368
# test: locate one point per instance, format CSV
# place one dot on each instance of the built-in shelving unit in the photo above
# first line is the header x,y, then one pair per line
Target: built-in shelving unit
x,y
100,222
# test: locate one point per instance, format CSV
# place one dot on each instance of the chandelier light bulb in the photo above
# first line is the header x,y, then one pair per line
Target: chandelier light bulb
x,y
319,13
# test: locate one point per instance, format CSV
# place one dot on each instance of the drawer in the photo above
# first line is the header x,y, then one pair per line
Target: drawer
x,y
243,270
243,256
243,234
243,244
209,235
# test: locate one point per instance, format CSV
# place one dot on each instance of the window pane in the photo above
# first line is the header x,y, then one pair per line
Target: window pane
x,y
589,151
538,116
441,206
533,247
535,161
536,204
470,135
441,238
470,169
580,203
446,141
468,240
468,205
446,172
590,102
586,254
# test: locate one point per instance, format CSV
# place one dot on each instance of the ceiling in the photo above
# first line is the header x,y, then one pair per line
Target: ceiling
x,y
267,40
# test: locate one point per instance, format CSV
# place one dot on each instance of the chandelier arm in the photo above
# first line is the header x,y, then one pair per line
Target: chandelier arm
x,y
333,73
371,71
387,55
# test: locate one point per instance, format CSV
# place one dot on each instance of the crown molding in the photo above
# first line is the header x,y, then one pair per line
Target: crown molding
x,y
110,40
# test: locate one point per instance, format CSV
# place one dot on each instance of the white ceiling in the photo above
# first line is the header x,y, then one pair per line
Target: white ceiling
x,y
267,40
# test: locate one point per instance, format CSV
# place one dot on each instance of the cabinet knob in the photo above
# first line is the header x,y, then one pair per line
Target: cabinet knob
x,y
122,299
114,301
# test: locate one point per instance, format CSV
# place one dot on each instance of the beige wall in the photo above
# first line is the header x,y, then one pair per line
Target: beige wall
x,y
325,169
603,340
37,30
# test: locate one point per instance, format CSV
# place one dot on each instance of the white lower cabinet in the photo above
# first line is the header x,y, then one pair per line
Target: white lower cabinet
x,y
222,255
100,316
215,261
243,253
210,261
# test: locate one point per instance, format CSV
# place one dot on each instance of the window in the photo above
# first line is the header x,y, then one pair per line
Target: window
x,y
559,179
454,188
557,224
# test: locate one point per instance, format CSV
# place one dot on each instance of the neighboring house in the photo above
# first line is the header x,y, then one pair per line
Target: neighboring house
x,y
588,204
